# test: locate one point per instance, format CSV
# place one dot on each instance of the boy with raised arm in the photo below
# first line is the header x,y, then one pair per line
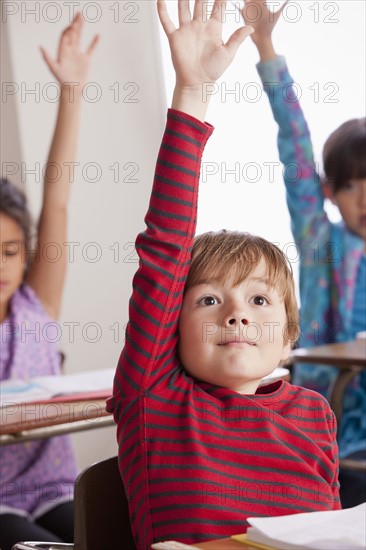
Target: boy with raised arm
x,y
333,255
201,445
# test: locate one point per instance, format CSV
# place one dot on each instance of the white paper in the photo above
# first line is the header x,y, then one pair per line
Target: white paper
x,y
44,387
333,530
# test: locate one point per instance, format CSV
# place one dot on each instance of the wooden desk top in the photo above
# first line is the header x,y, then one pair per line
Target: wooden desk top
x,y
43,417
223,544
27,416
340,355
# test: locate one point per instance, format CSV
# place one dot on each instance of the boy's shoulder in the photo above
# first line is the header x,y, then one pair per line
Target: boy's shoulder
x,y
311,401
304,394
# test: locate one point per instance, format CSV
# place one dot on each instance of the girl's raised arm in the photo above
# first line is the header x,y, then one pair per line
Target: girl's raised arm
x,y
71,70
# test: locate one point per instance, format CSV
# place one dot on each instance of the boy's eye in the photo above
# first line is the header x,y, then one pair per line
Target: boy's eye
x,y
260,301
208,301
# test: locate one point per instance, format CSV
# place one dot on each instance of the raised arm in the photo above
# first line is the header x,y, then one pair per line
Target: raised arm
x,y
71,69
164,248
304,194
199,54
263,25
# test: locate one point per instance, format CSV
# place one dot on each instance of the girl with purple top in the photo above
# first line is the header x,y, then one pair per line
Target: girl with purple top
x,y
37,478
333,255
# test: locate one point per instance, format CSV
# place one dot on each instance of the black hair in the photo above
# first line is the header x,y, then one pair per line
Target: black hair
x,y
13,203
344,154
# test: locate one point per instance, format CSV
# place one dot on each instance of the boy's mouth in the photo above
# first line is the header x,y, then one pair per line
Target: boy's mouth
x,y
237,341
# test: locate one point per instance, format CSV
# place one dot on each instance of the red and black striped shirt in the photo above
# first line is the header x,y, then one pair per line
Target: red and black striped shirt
x,y
198,460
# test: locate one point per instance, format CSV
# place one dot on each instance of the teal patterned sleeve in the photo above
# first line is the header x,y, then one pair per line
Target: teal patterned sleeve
x,y
304,194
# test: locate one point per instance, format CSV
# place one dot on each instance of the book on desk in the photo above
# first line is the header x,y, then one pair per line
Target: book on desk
x,y
333,530
85,385
327,530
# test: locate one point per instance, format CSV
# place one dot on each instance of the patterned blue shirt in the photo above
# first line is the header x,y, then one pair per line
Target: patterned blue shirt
x,y
330,268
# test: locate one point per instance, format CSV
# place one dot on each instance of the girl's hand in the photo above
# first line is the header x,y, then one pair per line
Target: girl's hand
x,y
72,65
263,21
198,52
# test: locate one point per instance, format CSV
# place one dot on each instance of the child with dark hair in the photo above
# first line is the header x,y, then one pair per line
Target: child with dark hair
x,y
202,444
37,478
344,155
333,260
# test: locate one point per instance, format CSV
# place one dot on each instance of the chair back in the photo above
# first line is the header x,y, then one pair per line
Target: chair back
x,y
102,518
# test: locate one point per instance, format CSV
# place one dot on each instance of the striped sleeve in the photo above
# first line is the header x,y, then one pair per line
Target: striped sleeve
x,y
164,250
332,423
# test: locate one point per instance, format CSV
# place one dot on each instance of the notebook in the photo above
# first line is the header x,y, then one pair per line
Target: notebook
x,y
328,530
94,385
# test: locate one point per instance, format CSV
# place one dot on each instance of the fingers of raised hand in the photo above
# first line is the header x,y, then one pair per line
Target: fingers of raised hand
x,y
218,10
93,44
202,10
253,10
165,20
260,3
261,6
237,38
71,35
48,59
76,27
184,12
280,10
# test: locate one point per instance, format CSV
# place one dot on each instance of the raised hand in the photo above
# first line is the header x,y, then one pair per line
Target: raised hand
x,y
198,52
263,21
71,65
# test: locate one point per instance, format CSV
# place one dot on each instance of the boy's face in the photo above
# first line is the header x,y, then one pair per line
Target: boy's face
x,y
351,201
233,336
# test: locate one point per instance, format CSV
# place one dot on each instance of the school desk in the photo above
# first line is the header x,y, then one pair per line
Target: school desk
x,y
65,411
224,544
29,421
218,544
350,359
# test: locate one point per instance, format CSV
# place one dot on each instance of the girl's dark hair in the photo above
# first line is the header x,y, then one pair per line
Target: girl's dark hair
x,y
344,154
13,203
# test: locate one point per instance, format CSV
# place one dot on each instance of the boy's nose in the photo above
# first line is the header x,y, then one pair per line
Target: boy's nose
x,y
232,320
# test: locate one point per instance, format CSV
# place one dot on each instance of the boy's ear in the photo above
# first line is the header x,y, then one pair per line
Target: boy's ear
x,y
328,192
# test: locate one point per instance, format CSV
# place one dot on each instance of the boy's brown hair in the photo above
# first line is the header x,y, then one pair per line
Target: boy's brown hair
x,y
223,254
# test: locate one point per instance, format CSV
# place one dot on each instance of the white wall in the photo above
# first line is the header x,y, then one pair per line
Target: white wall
x,y
324,43
9,128
121,133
